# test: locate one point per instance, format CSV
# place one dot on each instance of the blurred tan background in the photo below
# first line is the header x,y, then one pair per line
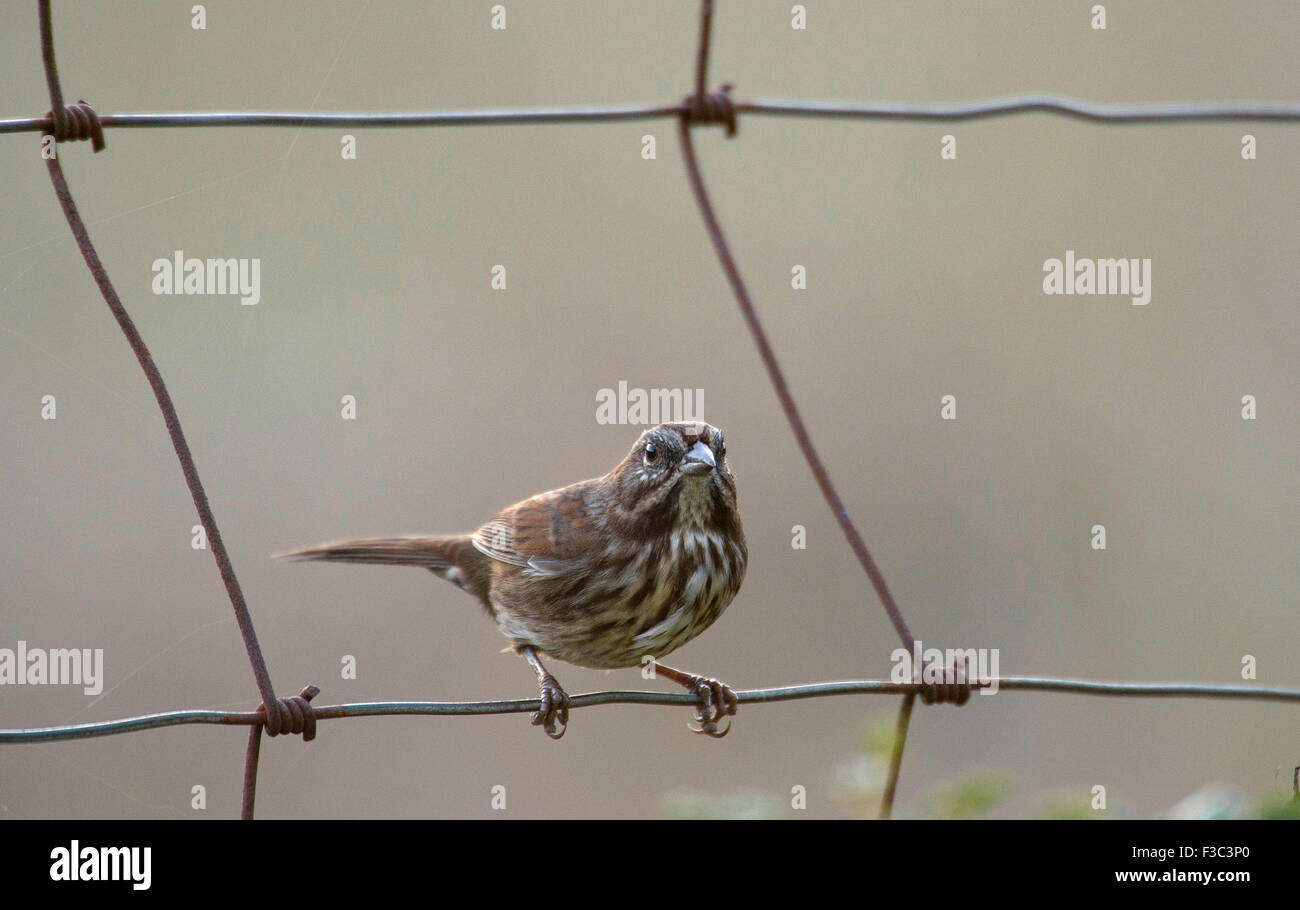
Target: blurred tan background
x,y
924,280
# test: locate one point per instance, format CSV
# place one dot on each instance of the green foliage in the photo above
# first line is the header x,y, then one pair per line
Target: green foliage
x,y
1280,807
859,781
970,795
1066,807
743,805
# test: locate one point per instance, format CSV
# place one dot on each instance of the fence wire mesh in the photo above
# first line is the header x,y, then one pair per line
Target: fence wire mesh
x,y
701,107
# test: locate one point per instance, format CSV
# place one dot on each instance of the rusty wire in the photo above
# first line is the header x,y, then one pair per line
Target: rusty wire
x,y
80,122
295,714
94,729
1114,114
719,108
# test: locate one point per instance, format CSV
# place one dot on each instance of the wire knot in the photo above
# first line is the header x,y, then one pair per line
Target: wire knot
x,y
75,123
712,107
954,690
292,715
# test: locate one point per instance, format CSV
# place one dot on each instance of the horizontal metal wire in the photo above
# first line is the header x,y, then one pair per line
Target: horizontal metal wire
x,y
746,696
1141,112
1138,112
496,116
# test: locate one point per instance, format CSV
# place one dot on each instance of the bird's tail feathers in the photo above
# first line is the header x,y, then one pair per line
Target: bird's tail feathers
x,y
433,552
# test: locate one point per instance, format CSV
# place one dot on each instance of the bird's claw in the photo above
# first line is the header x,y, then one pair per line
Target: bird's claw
x,y
717,700
555,707
710,728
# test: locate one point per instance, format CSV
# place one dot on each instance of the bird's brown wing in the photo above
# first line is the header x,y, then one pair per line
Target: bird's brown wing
x,y
550,534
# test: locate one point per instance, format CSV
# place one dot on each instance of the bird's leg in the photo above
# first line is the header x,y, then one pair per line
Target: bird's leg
x,y
717,699
555,701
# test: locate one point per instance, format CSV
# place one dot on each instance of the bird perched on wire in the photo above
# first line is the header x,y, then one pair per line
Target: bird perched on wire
x,y
604,572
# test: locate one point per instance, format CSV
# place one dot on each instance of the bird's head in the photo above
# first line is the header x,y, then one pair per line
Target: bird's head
x,y
677,473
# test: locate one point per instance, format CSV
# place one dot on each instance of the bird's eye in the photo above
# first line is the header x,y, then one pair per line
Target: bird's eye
x,y
651,453
722,448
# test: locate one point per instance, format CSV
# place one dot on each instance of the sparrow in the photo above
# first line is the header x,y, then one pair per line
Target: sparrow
x,y
611,572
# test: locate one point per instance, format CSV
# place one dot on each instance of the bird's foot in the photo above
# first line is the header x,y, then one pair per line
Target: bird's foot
x,y
717,700
555,708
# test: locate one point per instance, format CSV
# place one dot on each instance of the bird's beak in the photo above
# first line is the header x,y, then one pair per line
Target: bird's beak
x,y
698,461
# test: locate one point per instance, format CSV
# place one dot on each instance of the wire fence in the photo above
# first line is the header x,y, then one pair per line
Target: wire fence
x,y
296,714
